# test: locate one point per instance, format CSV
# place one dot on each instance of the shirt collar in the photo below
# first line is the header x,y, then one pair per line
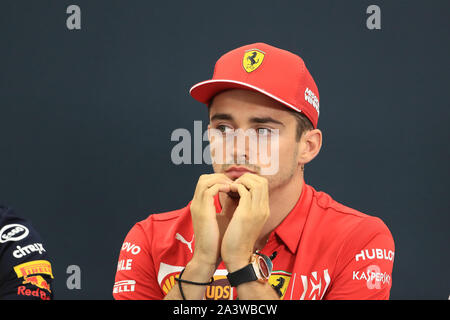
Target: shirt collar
x,y
291,228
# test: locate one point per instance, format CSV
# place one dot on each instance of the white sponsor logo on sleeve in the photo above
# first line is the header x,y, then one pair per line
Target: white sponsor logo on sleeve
x,y
124,286
13,232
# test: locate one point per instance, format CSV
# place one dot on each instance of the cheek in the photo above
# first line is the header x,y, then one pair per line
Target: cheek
x,y
282,148
287,156
278,157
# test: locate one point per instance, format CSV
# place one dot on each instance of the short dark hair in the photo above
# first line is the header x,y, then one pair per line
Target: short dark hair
x,y
303,123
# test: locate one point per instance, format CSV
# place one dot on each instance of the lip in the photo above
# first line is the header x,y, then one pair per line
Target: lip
x,y
236,172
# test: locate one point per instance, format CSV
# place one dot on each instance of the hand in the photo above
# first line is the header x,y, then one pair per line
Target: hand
x,y
247,222
208,230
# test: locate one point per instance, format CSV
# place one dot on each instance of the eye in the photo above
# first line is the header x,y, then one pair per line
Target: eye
x,y
263,131
224,129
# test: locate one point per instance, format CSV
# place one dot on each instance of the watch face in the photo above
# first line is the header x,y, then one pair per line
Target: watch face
x,y
263,267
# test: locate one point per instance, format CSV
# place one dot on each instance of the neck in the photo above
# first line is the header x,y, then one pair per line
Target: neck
x,y
281,202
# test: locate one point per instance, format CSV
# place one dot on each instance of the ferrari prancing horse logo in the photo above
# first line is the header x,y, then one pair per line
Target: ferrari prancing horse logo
x,y
252,59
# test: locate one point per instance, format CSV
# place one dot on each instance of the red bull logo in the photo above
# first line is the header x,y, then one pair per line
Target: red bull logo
x,y
37,281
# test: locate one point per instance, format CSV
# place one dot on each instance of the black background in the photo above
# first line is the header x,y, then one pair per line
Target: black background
x,y
86,118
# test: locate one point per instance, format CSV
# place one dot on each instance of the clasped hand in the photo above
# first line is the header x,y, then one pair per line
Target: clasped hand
x,y
231,234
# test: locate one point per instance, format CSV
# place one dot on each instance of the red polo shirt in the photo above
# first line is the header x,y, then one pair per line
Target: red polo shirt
x,y
325,250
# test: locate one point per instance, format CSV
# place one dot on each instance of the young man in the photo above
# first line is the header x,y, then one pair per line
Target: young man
x,y
250,232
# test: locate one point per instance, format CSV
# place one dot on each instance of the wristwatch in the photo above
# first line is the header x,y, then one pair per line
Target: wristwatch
x,y
259,269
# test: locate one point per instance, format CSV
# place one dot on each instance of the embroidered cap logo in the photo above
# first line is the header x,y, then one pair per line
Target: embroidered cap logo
x,y
252,59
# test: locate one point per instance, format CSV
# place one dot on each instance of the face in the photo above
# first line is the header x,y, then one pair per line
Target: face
x,y
269,132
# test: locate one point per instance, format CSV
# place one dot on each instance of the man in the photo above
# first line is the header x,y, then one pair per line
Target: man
x,y
250,232
25,268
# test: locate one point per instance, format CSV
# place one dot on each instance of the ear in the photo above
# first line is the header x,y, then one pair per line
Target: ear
x,y
309,145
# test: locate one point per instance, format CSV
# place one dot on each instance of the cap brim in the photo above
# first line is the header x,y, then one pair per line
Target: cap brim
x,y
206,90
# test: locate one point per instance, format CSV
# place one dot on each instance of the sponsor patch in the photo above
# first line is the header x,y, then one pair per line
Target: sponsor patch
x,y
13,232
373,276
279,280
124,286
32,273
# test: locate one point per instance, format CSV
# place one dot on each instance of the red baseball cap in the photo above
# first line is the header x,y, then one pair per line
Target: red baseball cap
x,y
276,73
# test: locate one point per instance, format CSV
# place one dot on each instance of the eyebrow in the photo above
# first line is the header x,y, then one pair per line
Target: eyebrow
x,y
225,116
221,116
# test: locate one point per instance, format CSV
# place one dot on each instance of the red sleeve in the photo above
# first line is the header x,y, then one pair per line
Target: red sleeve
x,y
136,278
364,267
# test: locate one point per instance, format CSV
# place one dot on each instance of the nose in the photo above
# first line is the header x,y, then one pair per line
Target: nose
x,y
237,147
240,145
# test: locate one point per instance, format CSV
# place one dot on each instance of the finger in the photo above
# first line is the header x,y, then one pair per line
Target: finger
x,y
215,189
244,193
255,185
251,180
207,180
207,200
259,188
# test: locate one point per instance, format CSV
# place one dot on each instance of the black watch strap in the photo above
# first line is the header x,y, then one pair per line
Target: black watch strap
x,y
246,274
